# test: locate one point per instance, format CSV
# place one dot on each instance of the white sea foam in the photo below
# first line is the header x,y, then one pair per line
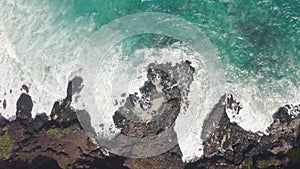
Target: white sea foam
x,y
129,74
35,43
10,67
260,101
34,46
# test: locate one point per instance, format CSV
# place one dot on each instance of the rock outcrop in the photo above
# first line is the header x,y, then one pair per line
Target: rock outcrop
x,y
60,142
230,146
24,107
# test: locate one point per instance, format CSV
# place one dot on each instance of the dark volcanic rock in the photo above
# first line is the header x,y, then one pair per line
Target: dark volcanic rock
x,y
170,159
230,142
24,107
113,162
60,142
282,115
40,121
3,121
37,163
158,107
215,117
62,112
230,146
45,143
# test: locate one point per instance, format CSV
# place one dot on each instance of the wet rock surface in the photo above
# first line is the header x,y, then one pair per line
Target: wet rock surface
x,y
24,107
230,146
3,121
60,142
55,142
159,103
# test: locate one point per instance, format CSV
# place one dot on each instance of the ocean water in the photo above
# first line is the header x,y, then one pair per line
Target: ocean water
x,y
257,43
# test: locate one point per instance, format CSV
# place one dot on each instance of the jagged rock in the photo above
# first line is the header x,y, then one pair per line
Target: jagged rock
x,y
230,141
61,143
170,159
3,121
62,147
36,163
283,115
230,146
39,122
24,107
62,112
215,118
160,103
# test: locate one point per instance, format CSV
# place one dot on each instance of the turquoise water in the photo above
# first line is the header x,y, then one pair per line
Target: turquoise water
x,y
256,39
248,34
258,42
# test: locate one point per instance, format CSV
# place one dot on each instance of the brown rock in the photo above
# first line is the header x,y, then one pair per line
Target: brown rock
x,y
24,107
25,87
4,104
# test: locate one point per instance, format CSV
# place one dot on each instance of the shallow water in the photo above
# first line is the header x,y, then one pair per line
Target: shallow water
x,y
258,43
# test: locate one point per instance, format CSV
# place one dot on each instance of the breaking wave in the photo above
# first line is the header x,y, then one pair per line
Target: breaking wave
x,y
40,44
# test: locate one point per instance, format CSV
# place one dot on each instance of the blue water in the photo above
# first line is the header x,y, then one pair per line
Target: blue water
x,y
257,37
258,43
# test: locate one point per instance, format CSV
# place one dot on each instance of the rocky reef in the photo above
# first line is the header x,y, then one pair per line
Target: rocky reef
x,y
160,102
59,141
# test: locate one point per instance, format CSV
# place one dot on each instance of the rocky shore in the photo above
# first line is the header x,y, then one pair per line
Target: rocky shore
x,y
59,141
